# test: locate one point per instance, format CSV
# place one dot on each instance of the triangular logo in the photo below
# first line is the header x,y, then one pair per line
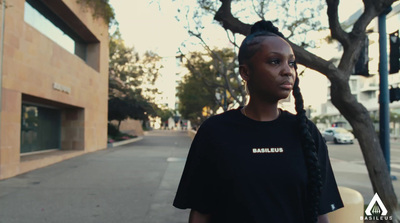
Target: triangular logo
x,y
376,206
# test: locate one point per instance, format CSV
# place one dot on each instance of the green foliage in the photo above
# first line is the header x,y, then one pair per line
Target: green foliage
x,y
112,130
206,85
127,74
164,114
101,8
125,64
322,119
194,95
115,135
394,117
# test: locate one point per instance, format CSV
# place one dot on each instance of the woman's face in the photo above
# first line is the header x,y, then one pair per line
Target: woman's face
x,y
270,72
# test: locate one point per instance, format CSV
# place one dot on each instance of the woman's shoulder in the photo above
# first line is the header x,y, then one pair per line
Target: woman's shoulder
x,y
216,124
222,117
287,116
290,117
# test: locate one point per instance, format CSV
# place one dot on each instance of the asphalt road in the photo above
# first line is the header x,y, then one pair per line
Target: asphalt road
x,y
350,170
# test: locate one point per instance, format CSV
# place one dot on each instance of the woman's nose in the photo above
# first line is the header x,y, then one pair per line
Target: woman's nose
x,y
288,70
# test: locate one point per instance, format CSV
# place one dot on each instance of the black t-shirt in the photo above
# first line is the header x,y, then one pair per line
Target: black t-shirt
x,y
246,171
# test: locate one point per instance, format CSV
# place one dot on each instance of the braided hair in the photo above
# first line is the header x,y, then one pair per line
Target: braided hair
x,y
248,48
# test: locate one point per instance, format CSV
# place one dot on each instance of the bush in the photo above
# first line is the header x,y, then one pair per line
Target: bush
x,y
115,135
112,130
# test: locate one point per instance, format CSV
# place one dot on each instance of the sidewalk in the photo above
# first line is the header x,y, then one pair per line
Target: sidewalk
x,y
133,183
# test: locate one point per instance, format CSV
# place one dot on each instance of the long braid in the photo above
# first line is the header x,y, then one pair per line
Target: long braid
x,y
310,155
247,50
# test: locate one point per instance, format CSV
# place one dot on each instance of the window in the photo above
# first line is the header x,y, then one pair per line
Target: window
x,y
353,85
56,21
40,128
34,18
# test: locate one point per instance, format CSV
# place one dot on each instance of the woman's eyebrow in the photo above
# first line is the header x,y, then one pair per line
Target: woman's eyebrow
x,y
278,53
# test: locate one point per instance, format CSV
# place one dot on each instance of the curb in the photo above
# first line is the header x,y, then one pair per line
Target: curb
x,y
120,143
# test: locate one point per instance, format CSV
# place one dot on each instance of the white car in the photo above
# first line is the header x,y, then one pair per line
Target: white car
x,y
338,135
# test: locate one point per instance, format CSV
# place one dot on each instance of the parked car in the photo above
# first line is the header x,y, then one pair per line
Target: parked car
x,y
338,135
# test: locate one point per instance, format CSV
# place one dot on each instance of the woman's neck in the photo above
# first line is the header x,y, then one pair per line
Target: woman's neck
x,y
261,111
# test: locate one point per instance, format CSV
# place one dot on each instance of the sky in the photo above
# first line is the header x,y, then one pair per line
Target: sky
x,y
151,25
145,26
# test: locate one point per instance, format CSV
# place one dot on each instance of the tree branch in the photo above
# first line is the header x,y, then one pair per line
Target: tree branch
x,y
228,21
223,70
352,42
225,17
336,30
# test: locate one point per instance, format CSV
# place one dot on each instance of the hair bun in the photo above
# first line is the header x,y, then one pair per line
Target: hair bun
x,y
264,26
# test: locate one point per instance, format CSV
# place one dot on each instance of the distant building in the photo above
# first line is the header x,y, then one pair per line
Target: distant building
x,y
54,83
167,84
168,81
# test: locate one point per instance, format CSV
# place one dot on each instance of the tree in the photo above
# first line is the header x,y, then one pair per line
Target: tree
x,y
342,99
101,9
216,72
230,85
129,78
194,95
217,69
164,114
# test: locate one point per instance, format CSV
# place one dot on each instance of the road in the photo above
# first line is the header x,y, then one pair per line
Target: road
x,y
350,170
352,153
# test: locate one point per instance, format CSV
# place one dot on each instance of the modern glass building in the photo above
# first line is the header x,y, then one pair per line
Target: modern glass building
x,y
54,83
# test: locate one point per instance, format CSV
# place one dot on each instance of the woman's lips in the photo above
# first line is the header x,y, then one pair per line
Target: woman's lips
x,y
287,85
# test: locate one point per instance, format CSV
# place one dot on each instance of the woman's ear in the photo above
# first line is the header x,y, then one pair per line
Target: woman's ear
x,y
244,72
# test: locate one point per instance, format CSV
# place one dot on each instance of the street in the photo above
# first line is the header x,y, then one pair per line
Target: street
x,y
352,153
350,170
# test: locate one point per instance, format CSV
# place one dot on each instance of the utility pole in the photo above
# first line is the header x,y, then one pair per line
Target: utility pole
x,y
384,131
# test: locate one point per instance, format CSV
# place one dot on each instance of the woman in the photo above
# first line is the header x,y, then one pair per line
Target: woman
x,y
259,163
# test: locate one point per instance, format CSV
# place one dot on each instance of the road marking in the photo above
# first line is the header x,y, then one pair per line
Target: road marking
x,y
176,159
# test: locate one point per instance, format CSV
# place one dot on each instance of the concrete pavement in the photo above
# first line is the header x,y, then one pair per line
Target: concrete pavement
x,y
130,183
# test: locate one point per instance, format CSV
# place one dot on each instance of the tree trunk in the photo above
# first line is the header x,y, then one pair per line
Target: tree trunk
x,y
360,120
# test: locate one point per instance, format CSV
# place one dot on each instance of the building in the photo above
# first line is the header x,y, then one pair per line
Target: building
x,y
366,89
171,74
54,83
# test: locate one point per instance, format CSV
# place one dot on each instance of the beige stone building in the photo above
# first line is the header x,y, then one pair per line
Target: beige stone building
x,y
54,83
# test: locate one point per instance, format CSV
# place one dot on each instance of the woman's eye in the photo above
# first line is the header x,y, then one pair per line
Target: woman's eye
x,y
274,62
292,63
